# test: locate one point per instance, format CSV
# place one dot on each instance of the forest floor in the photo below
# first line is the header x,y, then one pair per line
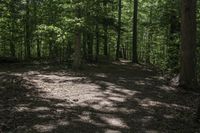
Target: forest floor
x,y
114,98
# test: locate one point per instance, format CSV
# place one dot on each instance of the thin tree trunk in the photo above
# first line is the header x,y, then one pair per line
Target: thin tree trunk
x,y
90,47
50,49
84,46
126,51
97,43
150,41
77,53
135,21
38,49
198,113
188,78
69,51
77,47
12,44
51,21
27,31
105,40
119,28
35,28
105,28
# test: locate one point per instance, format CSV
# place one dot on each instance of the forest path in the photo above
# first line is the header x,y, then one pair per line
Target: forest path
x,y
115,98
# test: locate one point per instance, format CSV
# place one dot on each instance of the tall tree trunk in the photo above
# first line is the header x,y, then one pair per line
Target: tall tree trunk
x,y
50,49
126,51
90,47
148,50
12,43
188,77
119,28
35,12
97,43
105,40
84,45
51,21
27,31
150,41
77,52
77,47
198,113
135,21
38,49
69,51
105,28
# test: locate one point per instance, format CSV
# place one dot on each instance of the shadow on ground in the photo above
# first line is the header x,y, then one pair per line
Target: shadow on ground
x,y
99,99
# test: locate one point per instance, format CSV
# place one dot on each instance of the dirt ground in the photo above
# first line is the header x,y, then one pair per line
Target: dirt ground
x,y
115,98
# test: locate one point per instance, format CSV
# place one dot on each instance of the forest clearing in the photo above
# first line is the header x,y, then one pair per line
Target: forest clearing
x,y
99,66
103,99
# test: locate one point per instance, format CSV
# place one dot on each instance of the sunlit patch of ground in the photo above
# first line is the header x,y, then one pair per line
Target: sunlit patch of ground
x,y
117,98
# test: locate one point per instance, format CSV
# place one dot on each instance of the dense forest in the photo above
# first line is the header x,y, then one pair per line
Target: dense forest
x,y
49,30
161,35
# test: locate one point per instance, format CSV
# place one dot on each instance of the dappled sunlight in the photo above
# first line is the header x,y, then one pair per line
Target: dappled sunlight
x,y
150,103
167,88
142,82
62,101
101,75
44,128
114,121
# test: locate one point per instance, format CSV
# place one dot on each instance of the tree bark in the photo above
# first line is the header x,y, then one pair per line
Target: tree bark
x,y
150,39
105,40
135,21
198,113
27,31
77,47
105,28
90,47
35,13
119,28
188,78
12,43
77,52
84,45
97,43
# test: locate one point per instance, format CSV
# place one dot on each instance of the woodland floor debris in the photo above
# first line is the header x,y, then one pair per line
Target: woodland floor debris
x,y
104,98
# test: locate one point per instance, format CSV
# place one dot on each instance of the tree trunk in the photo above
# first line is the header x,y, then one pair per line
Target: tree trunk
x,y
38,49
12,43
90,47
105,40
77,47
188,79
148,49
150,39
50,49
77,52
27,31
198,113
105,28
135,21
84,45
119,28
35,12
97,43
